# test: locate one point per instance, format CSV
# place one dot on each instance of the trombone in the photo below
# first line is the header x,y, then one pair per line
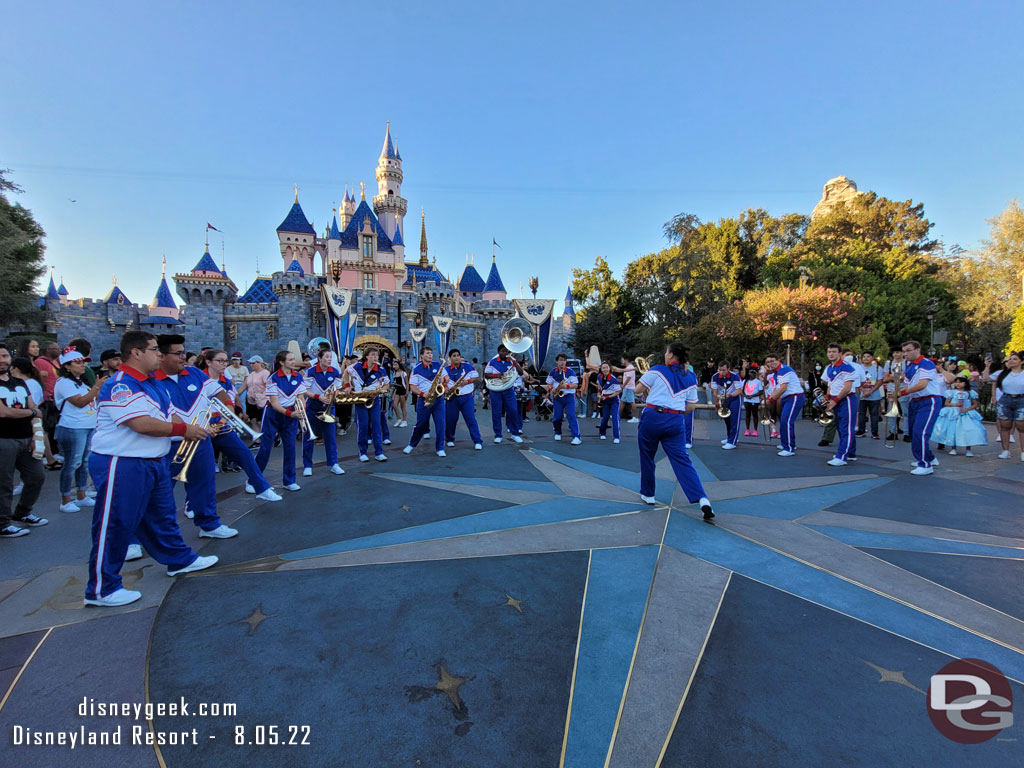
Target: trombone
x,y
187,448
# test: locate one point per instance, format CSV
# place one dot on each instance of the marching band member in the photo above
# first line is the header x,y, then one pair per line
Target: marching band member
x,y
727,387
134,495
842,381
565,401
189,389
280,416
228,441
462,401
788,392
504,402
924,385
671,392
367,374
320,379
609,390
420,382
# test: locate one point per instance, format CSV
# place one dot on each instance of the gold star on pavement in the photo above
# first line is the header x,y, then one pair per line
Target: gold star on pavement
x,y
893,676
254,619
517,604
405,507
449,686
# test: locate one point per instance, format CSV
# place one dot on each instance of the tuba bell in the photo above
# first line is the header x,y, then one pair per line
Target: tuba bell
x,y
517,335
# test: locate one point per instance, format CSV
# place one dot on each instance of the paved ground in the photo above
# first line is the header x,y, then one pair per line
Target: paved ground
x,y
518,606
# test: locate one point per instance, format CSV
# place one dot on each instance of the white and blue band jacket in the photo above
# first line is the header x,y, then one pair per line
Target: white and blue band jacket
x,y
454,373
924,369
609,385
423,375
670,386
285,388
837,376
128,395
319,380
362,376
556,377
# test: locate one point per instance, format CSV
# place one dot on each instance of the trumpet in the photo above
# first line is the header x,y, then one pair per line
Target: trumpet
x,y
231,418
300,409
187,449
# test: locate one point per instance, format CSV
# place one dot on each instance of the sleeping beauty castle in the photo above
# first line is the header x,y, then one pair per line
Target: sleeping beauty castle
x,y
352,284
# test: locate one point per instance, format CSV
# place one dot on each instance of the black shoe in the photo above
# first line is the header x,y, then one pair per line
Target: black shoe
x,y
942,446
823,443
874,437
13,532
890,438
906,438
708,513
31,521
858,434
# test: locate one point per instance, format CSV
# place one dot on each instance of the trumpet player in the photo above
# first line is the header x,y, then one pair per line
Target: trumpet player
x,y
608,391
503,402
365,374
461,402
189,390
842,381
322,381
227,440
728,389
134,496
282,415
562,385
787,393
422,381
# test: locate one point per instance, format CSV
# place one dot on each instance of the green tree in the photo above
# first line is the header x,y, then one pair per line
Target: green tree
x,y
596,286
21,257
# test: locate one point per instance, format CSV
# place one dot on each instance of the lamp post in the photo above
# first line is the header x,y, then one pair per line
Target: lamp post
x,y
788,334
534,284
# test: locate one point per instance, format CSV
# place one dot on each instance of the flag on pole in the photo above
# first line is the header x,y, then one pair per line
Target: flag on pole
x,y
210,226
494,242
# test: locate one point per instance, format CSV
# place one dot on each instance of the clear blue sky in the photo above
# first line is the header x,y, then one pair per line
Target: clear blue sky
x,y
564,130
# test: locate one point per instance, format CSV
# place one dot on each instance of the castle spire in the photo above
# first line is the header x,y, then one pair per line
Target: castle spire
x,y
163,267
423,238
296,193
362,187
388,150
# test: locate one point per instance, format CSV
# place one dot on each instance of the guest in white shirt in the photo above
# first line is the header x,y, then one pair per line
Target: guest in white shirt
x,y
76,402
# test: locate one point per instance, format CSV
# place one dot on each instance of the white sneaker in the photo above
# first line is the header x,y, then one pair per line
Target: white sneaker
x,y
220,532
70,507
729,447
593,415
616,440
836,463
634,420
951,451
935,462
88,501
120,597
558,437
922,471
478,447
498,440
381,457
648,499
404,423
516,439
442,454
201,563
134,552
388,441
604,437
293,487
187,511
398,423
269,495
786,453
363,457
249,488
307,472
337,470
407,449
426,436
725,441
689,445
575,441
450,443
342,432
969,452
1004,455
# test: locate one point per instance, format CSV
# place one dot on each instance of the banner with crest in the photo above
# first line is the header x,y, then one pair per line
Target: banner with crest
x,y
417,335
340,328
537,312
442,335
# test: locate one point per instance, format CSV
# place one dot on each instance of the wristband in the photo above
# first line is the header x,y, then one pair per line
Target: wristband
x,y
288,410
178,428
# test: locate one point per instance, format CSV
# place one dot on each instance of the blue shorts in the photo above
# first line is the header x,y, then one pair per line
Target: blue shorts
x,y
1010,407
629,396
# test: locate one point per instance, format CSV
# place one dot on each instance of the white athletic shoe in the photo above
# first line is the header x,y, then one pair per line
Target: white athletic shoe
x,y
575,441
450,443
307,472
363,457
220,532
134,552
1005,455
836,463
407,449
498,440
648,499
187,511
593,415
337,470
729,447
442,454
70,507
249,488
689,445
293,487
88,501
725,441
922,471
398,423
388,441
478,447
426,436
951,451
786,453
516,439
404,423
269,495
381,457
634,420
935,462
616,440
558,437
971,453
604,437
201,563
120,597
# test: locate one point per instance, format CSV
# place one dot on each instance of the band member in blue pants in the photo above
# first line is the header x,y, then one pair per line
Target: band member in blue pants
x,y
503,402
788,391
422,377
284,390
367,374
608,390
320,380
728,387
842,382
925,386
671,392
565,401
465,375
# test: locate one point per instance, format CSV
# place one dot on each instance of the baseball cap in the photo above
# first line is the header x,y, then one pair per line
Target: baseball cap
x,y
109,354
236,355
255,359
70,354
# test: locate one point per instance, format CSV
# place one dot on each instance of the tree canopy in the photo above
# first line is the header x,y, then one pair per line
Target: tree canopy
x,y
21,257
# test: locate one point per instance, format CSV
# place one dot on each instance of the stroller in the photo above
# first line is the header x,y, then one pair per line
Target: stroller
x,y
542,406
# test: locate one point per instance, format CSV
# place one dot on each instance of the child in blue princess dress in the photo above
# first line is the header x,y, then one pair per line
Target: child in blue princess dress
x,y
959,422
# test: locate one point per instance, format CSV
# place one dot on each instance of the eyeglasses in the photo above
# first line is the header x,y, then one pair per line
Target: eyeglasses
x,y
150,349
176,354
219,360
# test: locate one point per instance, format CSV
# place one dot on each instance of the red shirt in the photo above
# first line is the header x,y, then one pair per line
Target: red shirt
x,y
48,372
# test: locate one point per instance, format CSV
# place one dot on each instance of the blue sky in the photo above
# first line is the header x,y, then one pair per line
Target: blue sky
x,y
563,130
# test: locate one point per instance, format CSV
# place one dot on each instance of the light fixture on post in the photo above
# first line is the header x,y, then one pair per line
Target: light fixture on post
x,y
788,334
